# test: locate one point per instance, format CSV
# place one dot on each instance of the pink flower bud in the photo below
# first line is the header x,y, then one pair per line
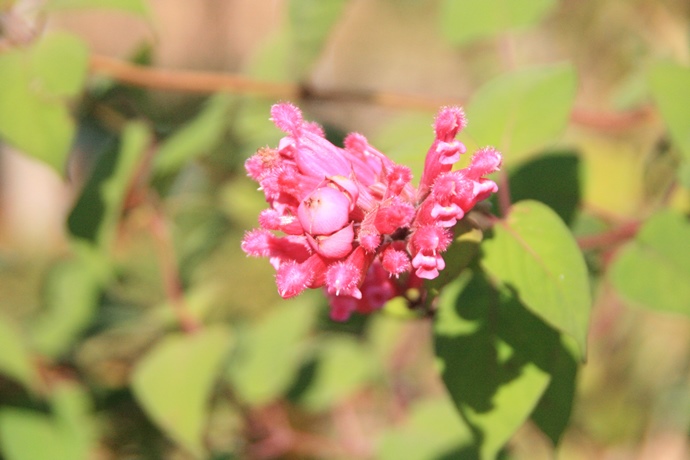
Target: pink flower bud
x,y
334,246
449,121
343,278
324,211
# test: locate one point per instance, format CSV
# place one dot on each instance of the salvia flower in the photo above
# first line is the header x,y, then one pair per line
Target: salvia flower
x,y
352,222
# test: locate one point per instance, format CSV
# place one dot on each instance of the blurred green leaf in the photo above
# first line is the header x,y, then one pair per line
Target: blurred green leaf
x,y
269,356
15,361
194,139
67,434
495,358
406,139
533,252
433,428
138,7
344,365
653,270
29,435
97,211
466,20
670,87
59,62
173,383
34,122
310,24
522,111
534,180
70,296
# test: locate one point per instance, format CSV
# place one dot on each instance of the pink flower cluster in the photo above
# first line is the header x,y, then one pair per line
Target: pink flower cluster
x,y
352,221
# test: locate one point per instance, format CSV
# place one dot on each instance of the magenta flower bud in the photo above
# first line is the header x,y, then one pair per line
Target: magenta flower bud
x,y
393,215
351,221
395,259
292,278
324,211
449,122
334,246
343,278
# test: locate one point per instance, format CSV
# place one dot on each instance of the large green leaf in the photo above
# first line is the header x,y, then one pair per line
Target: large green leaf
x,y
496,358
138,7
533,252
173,383
270,353
653,270
35,123
59,63
15,361
194,139
670,86
66,434
534,180
467,20
432,429
343,366
522,111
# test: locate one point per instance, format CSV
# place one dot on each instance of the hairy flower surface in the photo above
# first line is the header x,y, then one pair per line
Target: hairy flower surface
x,y
353,223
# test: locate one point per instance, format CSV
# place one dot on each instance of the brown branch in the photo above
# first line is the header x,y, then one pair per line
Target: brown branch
x,y
170,271
614,236
211,82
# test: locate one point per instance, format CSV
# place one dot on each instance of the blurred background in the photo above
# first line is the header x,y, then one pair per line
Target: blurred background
x,y
281,380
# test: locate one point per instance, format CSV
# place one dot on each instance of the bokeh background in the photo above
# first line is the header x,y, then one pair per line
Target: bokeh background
x,y
281,380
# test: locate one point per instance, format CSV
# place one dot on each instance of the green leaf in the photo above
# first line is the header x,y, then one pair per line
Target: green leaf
x,y
173,383
34,122
15,361
522,111
433,428
552,414
29,435
68,434
533,180
59,63
495,358
533,252
269,356
670,87
71,294
465,20
310,24
194,139
97,211
344,365
138,7
406,139
653,270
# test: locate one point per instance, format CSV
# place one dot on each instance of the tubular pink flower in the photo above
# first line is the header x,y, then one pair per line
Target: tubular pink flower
x,y
351,220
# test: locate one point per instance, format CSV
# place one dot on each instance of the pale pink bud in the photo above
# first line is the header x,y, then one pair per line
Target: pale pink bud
x,y
324,211
334,246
